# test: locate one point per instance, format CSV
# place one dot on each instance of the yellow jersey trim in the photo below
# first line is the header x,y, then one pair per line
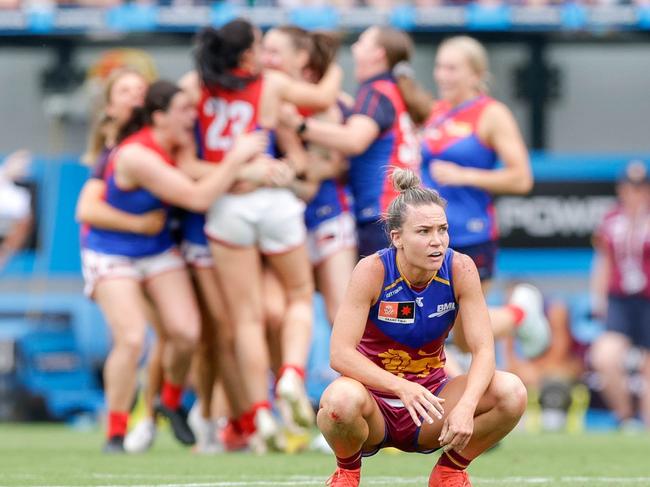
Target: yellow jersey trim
x,y
440,279
394,283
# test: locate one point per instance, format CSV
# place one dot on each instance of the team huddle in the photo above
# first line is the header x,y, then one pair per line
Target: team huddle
x,y
220,203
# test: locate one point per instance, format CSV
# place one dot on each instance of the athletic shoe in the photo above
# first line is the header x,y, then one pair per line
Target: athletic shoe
x,y
320,444
141,437
113,445
268,436
204,431
232,437
442,476
291,389
342,477
178,420
631,426
534,332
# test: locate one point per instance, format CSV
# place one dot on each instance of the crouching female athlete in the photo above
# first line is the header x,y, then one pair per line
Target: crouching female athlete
x,y
388,342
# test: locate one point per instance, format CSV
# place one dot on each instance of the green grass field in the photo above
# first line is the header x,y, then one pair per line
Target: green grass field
x,y
52,455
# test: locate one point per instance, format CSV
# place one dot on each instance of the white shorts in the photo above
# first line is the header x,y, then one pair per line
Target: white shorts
x,y
97,266
271,219
331,236
196,255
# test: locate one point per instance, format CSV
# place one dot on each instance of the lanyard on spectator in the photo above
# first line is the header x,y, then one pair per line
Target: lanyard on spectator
x,y
628,251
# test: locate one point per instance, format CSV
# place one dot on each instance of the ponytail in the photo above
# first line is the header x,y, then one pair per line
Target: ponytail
x,y
418,101
218,53
411,193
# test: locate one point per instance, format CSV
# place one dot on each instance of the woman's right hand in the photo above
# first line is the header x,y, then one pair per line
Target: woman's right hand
x,y
151,223
420,402
247,146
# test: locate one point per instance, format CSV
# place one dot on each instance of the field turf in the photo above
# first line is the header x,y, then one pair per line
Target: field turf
x,y
54,455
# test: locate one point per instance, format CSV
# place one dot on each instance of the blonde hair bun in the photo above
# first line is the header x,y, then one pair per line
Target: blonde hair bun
x,y
405,179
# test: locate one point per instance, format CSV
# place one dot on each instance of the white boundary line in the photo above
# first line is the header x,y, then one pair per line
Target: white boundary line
x,y
307,481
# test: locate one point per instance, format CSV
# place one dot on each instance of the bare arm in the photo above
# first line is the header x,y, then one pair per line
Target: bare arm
x,y
94,210
280,88
319,96
458,427
137,166
351,138
476,327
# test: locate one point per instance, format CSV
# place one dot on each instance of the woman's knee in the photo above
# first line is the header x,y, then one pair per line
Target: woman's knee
x,y
130,343
608,352
302,290
185,334
509,393
344,400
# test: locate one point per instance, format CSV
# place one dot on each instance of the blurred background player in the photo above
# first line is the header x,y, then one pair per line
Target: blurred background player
x,y
139,175
15,205
378,135
388,343
621,293
331,235
234,96
551,378
464,133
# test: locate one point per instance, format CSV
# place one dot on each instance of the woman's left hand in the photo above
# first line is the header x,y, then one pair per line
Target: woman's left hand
x,y
457,428
448,173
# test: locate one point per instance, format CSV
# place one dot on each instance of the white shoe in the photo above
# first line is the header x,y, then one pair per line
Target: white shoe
x,y
291,389
268,435
319,444
534,332
141,437
205,432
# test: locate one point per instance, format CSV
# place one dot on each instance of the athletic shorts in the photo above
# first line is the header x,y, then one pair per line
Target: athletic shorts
x,y
331,236
372,237
400,430
196,255
97,266
271,219
630,316
483,255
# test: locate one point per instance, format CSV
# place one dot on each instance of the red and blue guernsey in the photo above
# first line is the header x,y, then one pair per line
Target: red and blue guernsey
x,y
407,328
396,146
225,114
136,201
451,135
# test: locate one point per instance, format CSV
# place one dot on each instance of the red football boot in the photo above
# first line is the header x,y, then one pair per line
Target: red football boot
x,y
343,477
442,476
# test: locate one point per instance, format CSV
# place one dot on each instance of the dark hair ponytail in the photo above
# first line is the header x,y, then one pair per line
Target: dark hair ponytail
x,y
158,98
218,52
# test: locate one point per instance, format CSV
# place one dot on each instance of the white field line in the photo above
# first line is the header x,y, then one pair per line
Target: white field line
x,y
307,481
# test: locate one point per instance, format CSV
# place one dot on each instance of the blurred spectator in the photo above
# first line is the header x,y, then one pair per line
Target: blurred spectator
x,y
621,293
552,379
15,205
561,361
